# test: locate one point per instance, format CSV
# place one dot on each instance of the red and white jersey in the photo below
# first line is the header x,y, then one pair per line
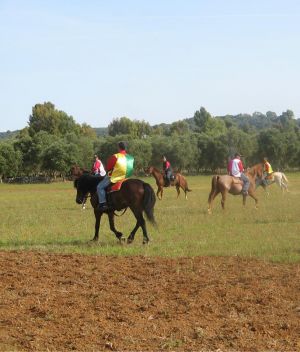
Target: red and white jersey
x,y
98,168
236,167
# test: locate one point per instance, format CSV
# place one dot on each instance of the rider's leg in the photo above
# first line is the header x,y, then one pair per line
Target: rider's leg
x,y
101,190
246,184
168,175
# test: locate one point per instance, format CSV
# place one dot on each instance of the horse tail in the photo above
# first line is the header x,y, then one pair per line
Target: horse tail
x,y
149,202
214,186
284,177
187,188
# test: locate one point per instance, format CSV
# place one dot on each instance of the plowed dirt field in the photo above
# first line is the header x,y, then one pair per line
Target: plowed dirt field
x,y
52,302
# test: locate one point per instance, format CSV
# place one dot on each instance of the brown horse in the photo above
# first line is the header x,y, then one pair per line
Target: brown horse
x,y
228,184
76,171
179,182
134,194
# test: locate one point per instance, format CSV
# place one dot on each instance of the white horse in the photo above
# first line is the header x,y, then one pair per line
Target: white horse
x,y
280,179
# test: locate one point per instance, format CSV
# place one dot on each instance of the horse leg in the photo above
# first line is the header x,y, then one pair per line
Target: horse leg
x,y
255,199
97,224
282,185
211,197
140,221
178,189
224,194
159,192
285,187
111,218
244,199
265,187
185,190
84,203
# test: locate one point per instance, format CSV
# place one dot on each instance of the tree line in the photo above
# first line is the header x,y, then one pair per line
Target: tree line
x,y
53,142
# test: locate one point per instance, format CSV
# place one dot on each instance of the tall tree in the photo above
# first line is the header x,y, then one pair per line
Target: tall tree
x,y
10,160
45,117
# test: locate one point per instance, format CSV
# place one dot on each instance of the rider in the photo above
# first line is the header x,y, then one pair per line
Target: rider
x,y
268,171
98,168
119,166
167,171
236,169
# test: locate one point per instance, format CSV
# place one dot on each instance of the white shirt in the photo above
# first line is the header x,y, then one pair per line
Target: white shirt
x,y
236,167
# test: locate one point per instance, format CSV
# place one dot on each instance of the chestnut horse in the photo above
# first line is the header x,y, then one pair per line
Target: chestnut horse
x,y
179,182
134,194
228,184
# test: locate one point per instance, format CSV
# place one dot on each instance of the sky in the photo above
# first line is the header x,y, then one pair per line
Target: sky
x,y
152,60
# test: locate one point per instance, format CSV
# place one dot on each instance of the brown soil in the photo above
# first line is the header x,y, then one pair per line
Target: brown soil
x,y
88,303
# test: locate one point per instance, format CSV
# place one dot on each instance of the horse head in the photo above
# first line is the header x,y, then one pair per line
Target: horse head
x,y
84,187
148,170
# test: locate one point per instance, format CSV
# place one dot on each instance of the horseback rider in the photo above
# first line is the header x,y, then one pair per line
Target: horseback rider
x,y
268,171
236,169
167,170
98,168
119,166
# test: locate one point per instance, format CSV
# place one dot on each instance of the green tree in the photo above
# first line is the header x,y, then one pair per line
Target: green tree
x,y
273,144
10,160
59,157
201,118
141,150
208,124
45,117
122,126
212,152
179,128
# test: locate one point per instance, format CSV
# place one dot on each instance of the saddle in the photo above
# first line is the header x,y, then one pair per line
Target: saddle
x,y
237,180
114,187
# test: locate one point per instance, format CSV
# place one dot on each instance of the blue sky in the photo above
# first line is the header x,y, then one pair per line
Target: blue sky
x,y
150,60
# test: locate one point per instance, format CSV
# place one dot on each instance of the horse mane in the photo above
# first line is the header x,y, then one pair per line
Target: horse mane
x,y
155,169
88,181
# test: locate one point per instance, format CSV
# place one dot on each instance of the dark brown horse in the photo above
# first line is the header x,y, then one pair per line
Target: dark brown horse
x,y
225,184
179,182
134,194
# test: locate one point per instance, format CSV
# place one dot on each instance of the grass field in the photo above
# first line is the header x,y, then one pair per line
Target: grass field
x,y
46,217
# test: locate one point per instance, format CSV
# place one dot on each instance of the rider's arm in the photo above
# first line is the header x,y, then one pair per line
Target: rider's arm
x,y
111,162
96,166
241,167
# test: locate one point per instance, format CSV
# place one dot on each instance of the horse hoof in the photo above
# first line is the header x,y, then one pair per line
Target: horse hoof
x,y
145,241
129,240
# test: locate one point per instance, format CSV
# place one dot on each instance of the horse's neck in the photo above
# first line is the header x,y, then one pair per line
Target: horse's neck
x,y
156,172
256,171
93,183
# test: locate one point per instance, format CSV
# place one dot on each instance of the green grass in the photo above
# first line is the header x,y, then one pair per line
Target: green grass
x,y
46,217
